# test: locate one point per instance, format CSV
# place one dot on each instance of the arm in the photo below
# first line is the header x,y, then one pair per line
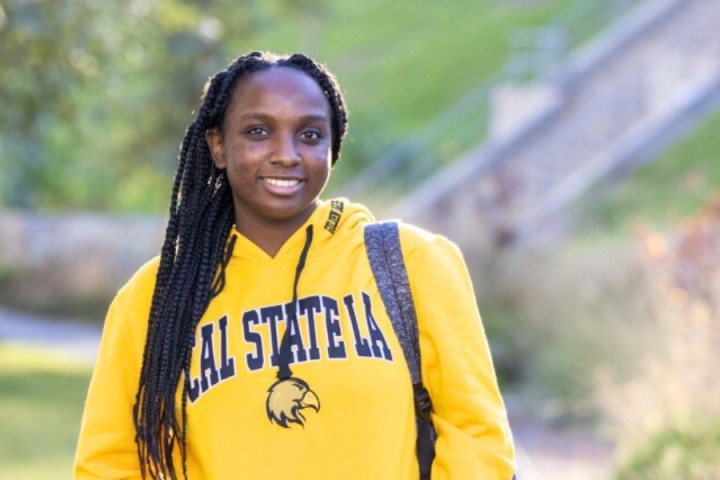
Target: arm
x,y
106,446
474,439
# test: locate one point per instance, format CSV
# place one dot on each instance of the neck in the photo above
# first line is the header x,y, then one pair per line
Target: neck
x,y
270,235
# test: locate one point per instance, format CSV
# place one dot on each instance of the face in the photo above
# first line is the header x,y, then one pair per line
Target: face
x,y
275,147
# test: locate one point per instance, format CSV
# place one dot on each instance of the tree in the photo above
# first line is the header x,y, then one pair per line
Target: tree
x,y
93,92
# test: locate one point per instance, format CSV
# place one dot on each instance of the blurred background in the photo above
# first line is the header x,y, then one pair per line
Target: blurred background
x,y
570,147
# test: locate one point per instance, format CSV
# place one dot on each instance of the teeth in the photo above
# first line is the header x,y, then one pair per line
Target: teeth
x,y
282,182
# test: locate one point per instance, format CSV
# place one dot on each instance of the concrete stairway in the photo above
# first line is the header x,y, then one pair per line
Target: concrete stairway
x,y
609,107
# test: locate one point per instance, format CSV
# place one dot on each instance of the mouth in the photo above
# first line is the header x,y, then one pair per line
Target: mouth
x,y
282,182
282,186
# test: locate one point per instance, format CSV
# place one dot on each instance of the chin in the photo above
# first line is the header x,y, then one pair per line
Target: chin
x,y
297,213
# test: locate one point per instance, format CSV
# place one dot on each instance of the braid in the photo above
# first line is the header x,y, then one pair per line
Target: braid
x,y
193,260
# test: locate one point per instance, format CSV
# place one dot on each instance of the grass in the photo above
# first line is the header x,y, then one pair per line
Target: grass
x,y
553,315
667,190
41,401
690,452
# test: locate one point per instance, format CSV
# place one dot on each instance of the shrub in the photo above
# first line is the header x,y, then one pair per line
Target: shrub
x,y
688,453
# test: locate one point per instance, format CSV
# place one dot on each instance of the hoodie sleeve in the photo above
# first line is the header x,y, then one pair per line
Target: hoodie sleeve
x,y
474,439
106,446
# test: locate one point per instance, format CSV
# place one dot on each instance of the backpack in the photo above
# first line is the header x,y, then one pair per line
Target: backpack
x,y
382,242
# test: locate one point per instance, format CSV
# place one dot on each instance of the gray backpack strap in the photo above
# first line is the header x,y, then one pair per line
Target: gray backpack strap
x,y
382,241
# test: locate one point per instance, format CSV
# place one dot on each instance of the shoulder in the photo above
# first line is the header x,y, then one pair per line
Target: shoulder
x,y
127,317
431,258
416,241
140,287
424,251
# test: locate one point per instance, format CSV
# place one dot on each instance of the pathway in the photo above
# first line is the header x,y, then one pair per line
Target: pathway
x,y
71,339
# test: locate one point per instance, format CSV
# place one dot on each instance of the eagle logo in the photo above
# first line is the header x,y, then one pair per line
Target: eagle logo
x,y
286,398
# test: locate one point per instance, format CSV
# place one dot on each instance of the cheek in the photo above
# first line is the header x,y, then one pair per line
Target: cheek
x,y
242,159
320,167
320,155
246,152
237,169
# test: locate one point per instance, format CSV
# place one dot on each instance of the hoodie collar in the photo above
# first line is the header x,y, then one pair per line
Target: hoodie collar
x,y
331,220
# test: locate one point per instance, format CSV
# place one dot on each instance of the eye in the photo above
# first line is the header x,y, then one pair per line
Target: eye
x,y
311,136
257,131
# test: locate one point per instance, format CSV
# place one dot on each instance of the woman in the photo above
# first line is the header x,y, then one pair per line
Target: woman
x,y
191,380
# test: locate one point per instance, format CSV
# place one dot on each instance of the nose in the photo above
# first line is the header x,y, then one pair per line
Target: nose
x,y
286,150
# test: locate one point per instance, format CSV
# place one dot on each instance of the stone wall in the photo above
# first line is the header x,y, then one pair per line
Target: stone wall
x,y
80,253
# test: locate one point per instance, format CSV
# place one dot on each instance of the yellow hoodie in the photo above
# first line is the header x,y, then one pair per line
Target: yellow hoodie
x,y
348,411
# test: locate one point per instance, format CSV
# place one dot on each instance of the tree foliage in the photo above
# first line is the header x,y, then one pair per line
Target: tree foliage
x,y
94,92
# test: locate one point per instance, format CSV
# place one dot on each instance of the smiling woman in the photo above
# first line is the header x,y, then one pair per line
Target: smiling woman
x,y
258,277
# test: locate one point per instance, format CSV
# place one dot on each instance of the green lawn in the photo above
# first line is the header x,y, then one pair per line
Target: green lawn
x,y
41,401
667,190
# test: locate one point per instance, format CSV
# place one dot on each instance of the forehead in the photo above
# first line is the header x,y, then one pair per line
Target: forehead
x,y
279,88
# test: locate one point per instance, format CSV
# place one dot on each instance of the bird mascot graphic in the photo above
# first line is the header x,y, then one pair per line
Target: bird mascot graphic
x,y
286,398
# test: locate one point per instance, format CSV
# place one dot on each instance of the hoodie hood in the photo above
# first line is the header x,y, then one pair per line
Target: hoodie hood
x,y
333,221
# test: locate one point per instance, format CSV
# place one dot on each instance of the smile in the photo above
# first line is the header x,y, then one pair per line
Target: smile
x,y
282,182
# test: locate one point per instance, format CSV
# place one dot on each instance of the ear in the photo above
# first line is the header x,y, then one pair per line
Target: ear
x,y
214,139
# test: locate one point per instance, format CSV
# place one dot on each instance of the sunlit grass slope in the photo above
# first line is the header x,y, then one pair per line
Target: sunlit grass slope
x,y
41,399
669,189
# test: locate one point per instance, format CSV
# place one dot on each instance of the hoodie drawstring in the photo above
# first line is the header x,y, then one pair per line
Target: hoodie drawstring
x,y
284,371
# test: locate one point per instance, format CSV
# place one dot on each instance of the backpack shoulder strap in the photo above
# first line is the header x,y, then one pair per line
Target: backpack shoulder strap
x,y
382,242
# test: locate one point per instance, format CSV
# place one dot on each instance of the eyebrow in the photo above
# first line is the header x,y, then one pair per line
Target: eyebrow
x,y
265,117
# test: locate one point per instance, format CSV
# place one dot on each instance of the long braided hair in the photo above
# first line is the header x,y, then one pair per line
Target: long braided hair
x,y
194,255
